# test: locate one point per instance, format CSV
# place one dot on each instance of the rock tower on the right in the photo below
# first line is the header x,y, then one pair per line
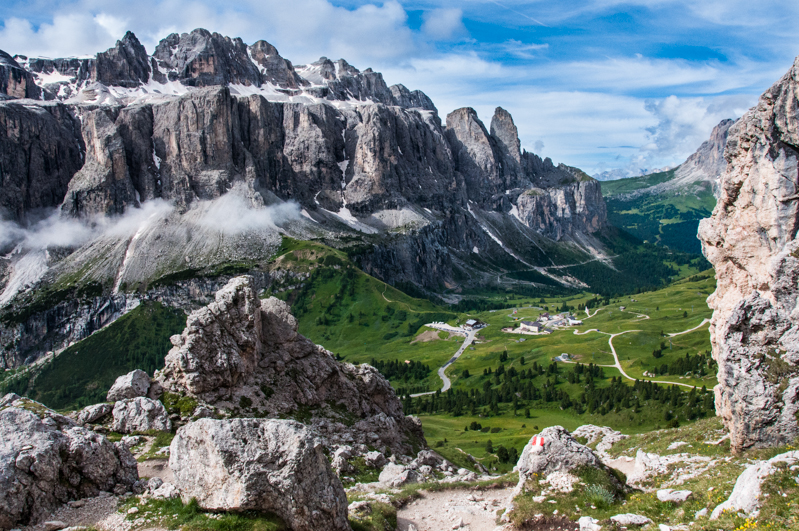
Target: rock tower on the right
x,y
751,240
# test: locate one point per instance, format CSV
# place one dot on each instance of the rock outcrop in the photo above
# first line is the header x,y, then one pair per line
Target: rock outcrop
x,y
135,383
91,414
245,356
746,496
140,414
751,241
47,460
707,164
259,464
15,81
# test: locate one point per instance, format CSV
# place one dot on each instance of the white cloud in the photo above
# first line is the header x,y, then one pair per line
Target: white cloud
x,y
684,123
444,24
215,215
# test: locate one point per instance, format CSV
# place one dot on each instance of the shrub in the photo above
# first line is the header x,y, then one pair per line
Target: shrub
x,y
599,496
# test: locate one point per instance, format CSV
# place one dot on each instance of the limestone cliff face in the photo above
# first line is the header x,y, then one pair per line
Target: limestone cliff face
x,y
751,241
15,81
559,211
41,149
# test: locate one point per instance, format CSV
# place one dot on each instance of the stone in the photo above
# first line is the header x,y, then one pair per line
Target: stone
x,y
132,440
46,460
700,513
91,414
746,494
603,436
166,491
751,241
395,475
154,483
259,464
134,384
429,458
628,519
587,523
673,496
375,459
560,453
140,414
54,525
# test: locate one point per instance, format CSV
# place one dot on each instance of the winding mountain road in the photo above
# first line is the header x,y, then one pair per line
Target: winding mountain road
x,y
444,378
618,366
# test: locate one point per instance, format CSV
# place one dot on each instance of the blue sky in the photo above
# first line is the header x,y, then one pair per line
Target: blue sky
x,y
599,84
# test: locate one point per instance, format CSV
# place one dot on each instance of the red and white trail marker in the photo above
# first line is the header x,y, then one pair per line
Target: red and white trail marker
x,y
537,445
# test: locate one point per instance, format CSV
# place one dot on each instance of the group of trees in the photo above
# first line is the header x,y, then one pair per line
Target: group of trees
x,y
513,390
698,365
396,370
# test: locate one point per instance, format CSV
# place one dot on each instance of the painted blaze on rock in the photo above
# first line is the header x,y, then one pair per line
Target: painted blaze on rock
x,y
259,464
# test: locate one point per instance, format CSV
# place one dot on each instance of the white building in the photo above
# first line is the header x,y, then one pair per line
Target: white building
x,y
530,326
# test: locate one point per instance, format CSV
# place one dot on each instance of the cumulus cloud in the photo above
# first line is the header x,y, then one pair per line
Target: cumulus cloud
x,y
684,123
444,24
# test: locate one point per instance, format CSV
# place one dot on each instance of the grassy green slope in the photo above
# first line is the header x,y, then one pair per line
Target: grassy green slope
x,y
676,308
670,218
83,373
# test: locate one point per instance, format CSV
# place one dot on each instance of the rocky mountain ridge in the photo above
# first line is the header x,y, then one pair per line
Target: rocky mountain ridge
x,y
144,157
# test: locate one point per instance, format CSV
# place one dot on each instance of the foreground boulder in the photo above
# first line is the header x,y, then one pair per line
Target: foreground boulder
x,y
746,496
244,355
140,414
47,460
135,383
559,452
259,464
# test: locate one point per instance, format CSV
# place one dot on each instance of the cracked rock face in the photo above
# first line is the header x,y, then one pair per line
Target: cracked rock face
x,y
245,355
259,464
140,414
751,241
47,460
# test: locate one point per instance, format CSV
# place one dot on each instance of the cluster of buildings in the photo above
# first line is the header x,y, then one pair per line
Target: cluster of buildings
x,y
545,324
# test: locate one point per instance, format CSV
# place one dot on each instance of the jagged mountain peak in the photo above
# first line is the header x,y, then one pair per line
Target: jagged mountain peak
x,y
183,62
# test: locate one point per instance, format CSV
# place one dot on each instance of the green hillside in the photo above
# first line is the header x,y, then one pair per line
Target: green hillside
x,y
670,219
82,374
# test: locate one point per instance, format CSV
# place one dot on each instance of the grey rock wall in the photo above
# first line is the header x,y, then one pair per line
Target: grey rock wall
x,y
751,241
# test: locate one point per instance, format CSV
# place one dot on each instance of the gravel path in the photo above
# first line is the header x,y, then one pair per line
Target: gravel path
x,y
100,513
438,511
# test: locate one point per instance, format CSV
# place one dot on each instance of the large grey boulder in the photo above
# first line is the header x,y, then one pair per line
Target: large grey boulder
x,y
91,414
135,383
47,460
259,464
140,414
560,453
